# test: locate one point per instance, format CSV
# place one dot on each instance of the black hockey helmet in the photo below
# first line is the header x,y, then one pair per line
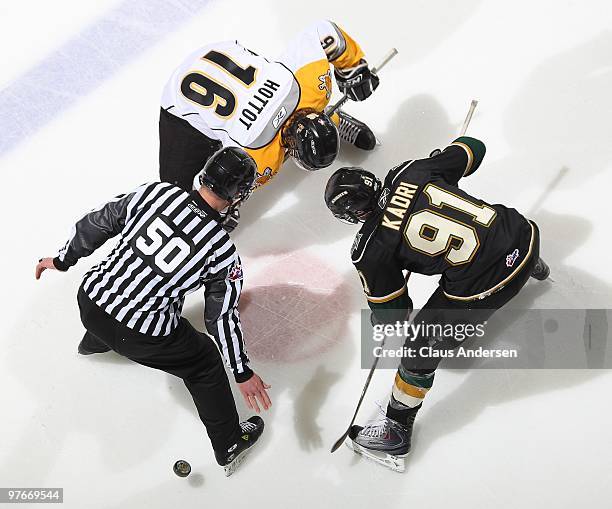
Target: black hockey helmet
x,y
351,194
229,173
312,139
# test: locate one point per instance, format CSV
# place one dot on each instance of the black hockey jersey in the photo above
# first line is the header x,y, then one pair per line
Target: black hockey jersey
x,y
424,223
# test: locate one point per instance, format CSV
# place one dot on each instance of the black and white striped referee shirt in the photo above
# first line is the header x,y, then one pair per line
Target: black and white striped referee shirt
x,y
170,245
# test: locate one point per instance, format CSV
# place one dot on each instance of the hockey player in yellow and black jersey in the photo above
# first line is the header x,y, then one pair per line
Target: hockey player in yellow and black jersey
x,y
418,220
224,94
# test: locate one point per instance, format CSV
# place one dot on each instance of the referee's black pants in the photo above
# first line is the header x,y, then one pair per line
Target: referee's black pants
x,y
183,150
185,353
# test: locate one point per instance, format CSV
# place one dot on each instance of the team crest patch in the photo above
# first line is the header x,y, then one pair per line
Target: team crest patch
x,y
326,83
235,273
511,258
263,178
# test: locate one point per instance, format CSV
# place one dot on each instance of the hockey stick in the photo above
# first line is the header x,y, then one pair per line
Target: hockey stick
x,y
385,61
341,440
468,117
374,70
466,123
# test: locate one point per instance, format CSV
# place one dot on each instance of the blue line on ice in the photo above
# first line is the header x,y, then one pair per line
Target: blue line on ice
x,y
84,62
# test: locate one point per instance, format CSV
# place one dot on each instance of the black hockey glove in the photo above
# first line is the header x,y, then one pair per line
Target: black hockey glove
x,y
357,82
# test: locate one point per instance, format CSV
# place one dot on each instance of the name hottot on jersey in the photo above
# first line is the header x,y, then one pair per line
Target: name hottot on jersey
x,y
240,98
398,205
257,103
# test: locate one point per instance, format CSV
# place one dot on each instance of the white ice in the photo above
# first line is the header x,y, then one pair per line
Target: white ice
x,y
79,91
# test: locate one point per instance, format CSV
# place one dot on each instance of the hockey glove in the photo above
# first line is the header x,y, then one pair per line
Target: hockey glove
x,y
357,82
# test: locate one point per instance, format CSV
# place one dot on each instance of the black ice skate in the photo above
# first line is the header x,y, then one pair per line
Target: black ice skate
x,y
251,430
355,132
540,271
384,441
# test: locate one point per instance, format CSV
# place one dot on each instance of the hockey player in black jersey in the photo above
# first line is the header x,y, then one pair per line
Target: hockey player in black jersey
x,y
418,220
171,244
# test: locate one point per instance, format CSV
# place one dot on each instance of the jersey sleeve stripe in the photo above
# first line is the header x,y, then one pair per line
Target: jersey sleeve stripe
x,y
351,52
226,329
470,156
339,48
236,333
387,298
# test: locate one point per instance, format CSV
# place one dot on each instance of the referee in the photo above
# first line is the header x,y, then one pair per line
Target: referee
x,y
171,244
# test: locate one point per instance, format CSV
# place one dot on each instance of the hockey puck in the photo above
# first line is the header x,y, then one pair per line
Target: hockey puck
x,y
182,468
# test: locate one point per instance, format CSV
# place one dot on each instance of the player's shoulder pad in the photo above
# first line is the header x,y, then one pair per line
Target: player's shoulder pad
x,y
395,172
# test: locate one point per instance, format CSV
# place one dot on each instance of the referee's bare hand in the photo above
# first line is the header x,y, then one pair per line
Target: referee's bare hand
x,y
44,264
254,389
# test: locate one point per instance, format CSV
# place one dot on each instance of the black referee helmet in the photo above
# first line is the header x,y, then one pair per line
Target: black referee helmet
x,y
230,174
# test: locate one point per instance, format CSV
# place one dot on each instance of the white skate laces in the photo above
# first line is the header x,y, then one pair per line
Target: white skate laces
x,y
377,427
247,426
347,130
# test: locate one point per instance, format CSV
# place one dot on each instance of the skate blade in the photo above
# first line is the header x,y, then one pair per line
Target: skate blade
x,y
237,461
395,463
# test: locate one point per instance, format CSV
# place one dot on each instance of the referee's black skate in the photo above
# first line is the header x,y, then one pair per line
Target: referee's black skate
x,y
540,271
384,441
251,430
355,132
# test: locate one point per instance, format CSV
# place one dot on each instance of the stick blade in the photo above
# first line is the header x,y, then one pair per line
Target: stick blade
x,y
339,442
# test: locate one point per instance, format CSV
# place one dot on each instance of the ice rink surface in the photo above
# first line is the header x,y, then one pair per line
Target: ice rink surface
x,y
79,91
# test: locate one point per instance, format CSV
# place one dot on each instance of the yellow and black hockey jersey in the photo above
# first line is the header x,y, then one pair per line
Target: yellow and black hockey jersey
x,y
231,94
